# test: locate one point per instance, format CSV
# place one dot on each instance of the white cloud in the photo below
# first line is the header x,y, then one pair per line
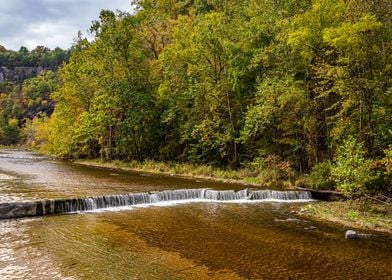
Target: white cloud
x,y
50,23
50,33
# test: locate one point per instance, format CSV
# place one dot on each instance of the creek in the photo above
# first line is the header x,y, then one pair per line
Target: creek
x,y
180,229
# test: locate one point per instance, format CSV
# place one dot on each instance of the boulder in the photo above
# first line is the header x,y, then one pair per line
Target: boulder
x,y
350,234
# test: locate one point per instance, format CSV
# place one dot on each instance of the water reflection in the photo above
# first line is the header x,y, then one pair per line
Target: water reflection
x,y
41,178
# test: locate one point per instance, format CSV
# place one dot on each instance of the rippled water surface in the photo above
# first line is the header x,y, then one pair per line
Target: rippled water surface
x,y
26,175
186,241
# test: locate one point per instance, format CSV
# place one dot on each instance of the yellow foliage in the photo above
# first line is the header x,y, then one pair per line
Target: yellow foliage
x,y
13,122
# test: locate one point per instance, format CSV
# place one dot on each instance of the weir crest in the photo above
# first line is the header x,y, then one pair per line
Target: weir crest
x,y
20,209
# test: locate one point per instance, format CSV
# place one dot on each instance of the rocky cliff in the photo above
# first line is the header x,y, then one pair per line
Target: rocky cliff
x,y
20,73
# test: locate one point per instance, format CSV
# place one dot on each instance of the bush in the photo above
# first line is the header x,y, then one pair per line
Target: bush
x,y
273,171
320,177
387,161
384,169
351,171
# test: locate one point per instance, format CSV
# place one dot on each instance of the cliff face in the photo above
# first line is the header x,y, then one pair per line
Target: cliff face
x,y
19,73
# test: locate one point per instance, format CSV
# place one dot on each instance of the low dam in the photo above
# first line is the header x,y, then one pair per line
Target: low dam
x,y
22,209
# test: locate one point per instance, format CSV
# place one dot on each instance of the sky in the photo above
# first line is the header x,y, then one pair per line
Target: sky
x,y
50,23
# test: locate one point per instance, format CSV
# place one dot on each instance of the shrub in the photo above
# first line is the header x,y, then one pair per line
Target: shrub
x,y
273,171
387,161
351,171
320,176
384,169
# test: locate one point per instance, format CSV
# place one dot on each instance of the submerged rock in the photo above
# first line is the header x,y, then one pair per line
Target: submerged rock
x,y
288,220
310,228
350,234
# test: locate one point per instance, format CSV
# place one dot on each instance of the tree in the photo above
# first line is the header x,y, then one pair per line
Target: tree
x,y
202,86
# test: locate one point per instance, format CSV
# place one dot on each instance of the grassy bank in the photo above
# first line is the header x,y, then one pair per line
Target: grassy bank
x,y
244,175
267,177
353,214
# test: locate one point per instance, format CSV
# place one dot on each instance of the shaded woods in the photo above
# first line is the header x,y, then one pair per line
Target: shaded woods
x,y
293,87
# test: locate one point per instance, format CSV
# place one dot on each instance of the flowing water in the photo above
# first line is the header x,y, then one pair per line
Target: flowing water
x,y
205,239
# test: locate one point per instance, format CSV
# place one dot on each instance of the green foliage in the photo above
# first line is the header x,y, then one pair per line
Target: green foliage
x,y
39,57
23,103
351,171
384,169
278,111
273,85
9,133
206,64
387,161
320,176
22,100
272,170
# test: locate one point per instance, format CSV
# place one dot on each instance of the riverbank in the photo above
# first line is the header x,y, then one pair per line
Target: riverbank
x,y
242,176
352,214
349,214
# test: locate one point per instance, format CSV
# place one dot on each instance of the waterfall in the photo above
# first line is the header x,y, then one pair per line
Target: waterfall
x,y
9,210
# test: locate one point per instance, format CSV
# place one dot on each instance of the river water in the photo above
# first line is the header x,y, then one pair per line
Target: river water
x,y
179,241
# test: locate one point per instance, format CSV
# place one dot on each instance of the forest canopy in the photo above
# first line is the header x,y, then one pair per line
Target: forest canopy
x,y
38,57
298,86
